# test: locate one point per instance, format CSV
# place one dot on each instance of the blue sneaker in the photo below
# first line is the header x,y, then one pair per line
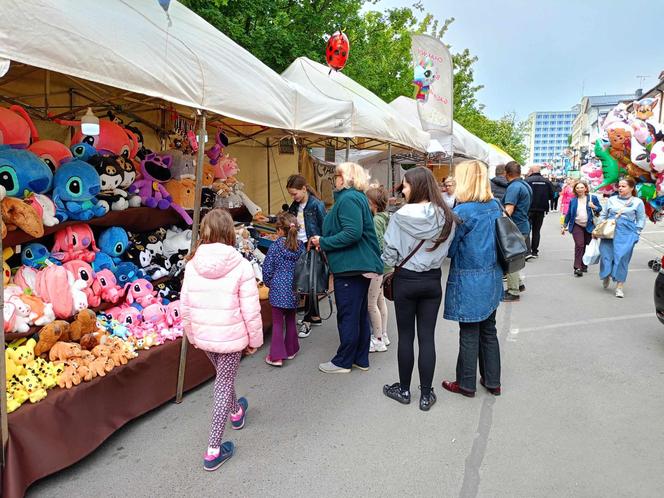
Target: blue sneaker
x,y
212,462
238,423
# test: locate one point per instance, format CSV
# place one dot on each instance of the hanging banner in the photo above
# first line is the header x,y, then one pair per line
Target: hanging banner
x,y
433,79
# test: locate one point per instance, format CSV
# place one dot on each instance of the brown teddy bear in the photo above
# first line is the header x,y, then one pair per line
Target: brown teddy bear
x,y
50,334
63,351
18,214
85,323
620,139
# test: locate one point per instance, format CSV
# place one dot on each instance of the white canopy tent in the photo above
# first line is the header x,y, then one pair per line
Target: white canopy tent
x,y
372,117
464,143
176,56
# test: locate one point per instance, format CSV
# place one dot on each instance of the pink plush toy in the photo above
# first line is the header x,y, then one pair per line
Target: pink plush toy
x,y
106,286
83,271
131,318
115,311
141,292
156,172
174,318
26,277
226,168
19,320
154,320
44,207
74,242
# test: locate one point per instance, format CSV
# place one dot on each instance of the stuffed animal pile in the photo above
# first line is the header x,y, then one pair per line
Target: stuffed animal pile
x,y
631,144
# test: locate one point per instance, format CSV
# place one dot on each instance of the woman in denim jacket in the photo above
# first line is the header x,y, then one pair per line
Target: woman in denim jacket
x,y
474,284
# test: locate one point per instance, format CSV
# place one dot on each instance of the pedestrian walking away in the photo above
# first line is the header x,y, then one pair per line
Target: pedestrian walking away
x,y
629,214
278,275
539,207
422,229
309,211
377,306
475,284
222,316
499,183
518,197
579,222
349,240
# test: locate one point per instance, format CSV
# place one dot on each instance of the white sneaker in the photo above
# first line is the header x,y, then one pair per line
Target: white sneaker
x,y
305,330
606,282
386,340
619,292
377,345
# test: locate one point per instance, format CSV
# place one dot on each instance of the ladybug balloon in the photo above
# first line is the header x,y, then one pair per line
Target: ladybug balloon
x,y
337,51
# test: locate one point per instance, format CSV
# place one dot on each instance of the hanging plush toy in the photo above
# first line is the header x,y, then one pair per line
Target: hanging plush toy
x,y
151,189
52,152
610,167
643,109
657,157
75,186
22,172
216,152
337,51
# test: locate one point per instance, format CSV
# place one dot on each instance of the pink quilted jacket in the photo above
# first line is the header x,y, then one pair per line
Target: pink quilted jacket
x,y
219,301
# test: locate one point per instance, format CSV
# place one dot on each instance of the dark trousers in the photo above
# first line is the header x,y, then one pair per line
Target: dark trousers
x,y
350,295
417,296
554,203
310,308
536,220
478,342
581,240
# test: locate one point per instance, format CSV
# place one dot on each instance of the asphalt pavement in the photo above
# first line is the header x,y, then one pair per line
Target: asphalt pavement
x,y
580,415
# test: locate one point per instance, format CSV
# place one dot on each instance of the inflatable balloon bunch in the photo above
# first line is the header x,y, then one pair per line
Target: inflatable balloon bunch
x,y
631,144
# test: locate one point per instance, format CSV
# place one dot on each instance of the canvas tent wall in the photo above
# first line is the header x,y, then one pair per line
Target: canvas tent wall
x,y
372,117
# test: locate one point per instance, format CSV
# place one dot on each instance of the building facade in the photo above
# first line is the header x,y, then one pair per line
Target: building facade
x,y
585,129
548,135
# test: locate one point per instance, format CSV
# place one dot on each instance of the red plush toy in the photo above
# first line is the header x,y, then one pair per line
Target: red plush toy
x,y
16,128
73,242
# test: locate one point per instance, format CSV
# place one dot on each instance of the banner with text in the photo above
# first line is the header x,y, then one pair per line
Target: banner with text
x,y
433,79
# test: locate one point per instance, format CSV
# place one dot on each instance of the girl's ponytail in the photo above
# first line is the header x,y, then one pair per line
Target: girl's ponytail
x,y
287,223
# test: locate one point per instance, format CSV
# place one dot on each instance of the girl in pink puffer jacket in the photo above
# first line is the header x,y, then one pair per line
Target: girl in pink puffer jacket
x,y
221,314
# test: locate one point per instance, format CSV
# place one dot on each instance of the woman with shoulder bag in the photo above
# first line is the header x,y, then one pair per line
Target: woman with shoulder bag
x,y
579,222
475,282
350,244
310,213
630,218
419,234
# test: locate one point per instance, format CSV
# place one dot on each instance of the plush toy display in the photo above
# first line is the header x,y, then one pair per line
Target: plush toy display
x,y
126,272
106,287
22,172
17,214
112,138
111,177
16,127
155,171
83,151
141,293
53,153
75,186
83,272
44,207
75,242
36,255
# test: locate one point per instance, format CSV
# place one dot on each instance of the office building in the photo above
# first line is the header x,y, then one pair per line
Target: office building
x,y
548,135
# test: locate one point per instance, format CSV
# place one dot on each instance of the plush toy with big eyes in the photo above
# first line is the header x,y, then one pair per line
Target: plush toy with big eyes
x,y
35,255
110,177
75,187
83,151
52,152
22,172
114,241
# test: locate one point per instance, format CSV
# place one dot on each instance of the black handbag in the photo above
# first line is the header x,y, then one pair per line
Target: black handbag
x,y
388,278
510,244
312,277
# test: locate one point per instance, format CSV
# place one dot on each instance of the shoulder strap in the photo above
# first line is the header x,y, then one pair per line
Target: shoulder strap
x,y
412,253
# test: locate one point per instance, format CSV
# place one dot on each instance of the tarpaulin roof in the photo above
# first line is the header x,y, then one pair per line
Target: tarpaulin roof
x,y
372,117
176,56
463,141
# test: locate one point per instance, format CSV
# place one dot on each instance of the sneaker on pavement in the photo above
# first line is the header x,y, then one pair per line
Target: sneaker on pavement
x,y
606,282
396,393
427,400
522,288
510,298
331,368
386,340
377,345
619,292
305,330
237,420
213,462
360,367
274,363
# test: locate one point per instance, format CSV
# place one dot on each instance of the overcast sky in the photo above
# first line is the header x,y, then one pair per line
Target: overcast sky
x,y
537,55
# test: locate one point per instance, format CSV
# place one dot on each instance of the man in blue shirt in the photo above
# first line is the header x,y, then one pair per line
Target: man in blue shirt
x,y
517,200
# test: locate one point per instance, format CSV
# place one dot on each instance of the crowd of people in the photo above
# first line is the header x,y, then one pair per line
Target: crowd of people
x,y
363,244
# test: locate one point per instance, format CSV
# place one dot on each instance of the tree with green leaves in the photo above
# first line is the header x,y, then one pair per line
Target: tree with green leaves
x,y
279,31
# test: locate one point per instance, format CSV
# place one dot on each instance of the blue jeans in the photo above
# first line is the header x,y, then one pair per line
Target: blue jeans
x,y
478,341
350,295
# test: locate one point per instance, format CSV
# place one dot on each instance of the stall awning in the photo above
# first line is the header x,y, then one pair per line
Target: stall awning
x,y
372,117
464,142
176,56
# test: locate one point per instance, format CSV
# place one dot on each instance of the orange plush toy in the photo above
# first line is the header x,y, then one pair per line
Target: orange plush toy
x,y
85,323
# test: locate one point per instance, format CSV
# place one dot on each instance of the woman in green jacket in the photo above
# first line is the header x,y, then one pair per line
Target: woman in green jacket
x,y
377,306
350,243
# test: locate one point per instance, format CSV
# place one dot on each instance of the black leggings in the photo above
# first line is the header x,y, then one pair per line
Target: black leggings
x,y
417,294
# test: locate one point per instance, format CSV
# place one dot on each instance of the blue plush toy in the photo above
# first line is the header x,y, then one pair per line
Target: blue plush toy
x,y
126,272
22,172
35,255
114,241
75,186
83,151
103,261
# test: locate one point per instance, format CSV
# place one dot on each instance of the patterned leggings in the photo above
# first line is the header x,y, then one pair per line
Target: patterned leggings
x,y
225,400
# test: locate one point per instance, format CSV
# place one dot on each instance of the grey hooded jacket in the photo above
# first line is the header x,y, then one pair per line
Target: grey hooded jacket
x,y
409,225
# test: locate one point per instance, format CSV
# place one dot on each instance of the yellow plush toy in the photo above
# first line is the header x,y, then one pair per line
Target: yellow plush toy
x,y
7,253
11,368
32,387
16,394
22,355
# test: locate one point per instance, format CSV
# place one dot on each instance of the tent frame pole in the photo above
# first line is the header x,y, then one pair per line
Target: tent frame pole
x,y
194,238
347,149
269,181
4,427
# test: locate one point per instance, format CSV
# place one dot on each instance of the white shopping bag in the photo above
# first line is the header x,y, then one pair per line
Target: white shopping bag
x,y
591,254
